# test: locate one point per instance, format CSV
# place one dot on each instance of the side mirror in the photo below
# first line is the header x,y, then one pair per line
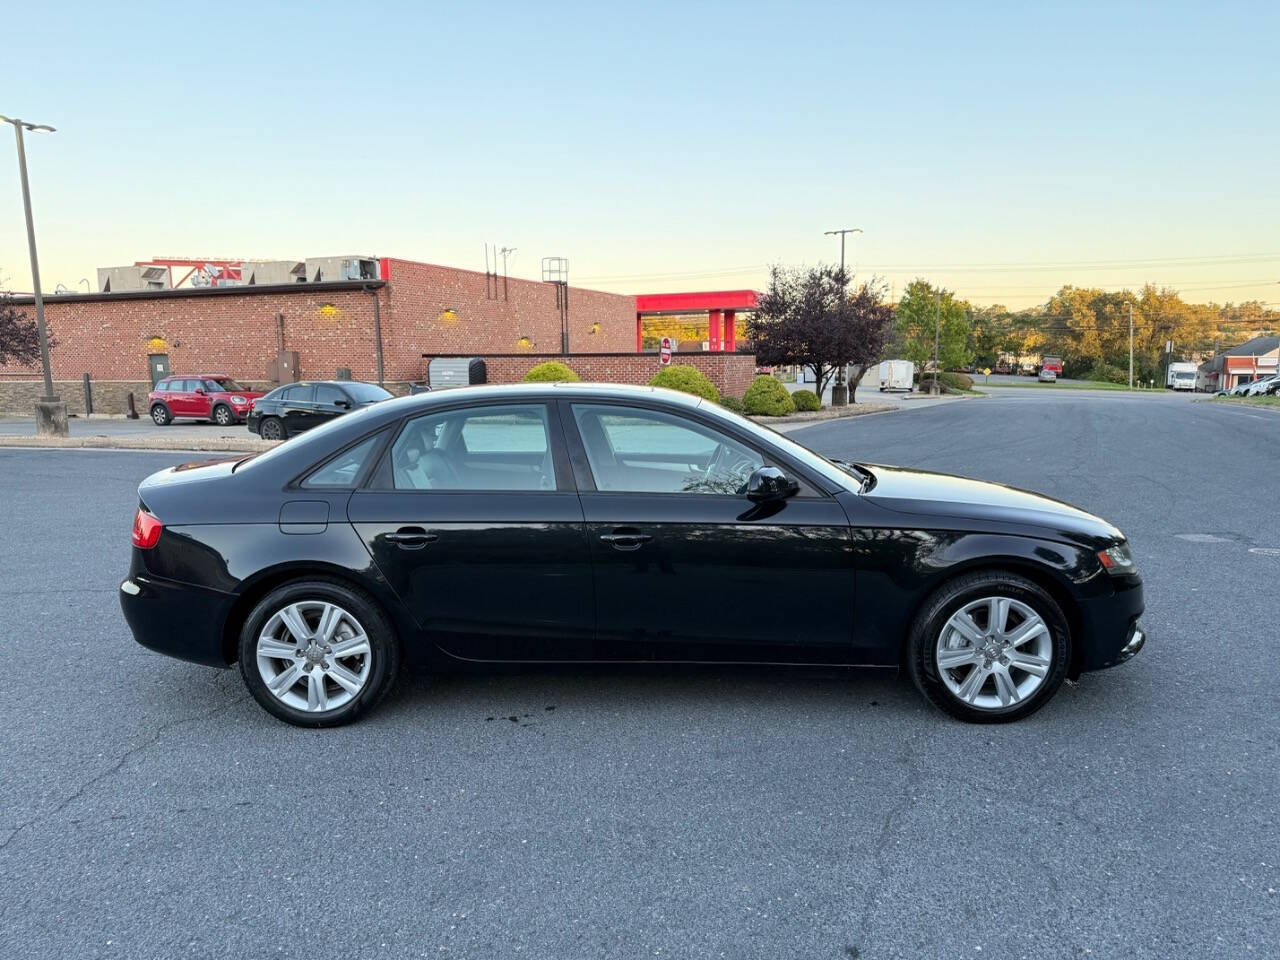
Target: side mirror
x,y
770,483
199,391
342,404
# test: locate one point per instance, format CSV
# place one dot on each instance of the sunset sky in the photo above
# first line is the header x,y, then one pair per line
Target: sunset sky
x,y
999,149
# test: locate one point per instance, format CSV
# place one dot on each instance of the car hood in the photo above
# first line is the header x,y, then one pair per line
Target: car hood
x,y
921,493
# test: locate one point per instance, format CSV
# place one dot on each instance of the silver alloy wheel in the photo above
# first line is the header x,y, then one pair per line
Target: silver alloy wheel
x,y
314,656
222,416
159,415
994,653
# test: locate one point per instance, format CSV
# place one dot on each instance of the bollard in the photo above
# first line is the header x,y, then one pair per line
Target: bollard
x,y
88,396
133,412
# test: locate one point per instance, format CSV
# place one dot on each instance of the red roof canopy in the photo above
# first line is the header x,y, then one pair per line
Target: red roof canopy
x,y
696,302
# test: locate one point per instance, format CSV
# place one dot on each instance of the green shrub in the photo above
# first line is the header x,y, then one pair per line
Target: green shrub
x,y
551,372
733,403
806,400
1106,373
767,397
686,379
953,381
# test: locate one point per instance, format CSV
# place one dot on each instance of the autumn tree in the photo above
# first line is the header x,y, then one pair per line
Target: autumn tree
x,y
810,318
19,340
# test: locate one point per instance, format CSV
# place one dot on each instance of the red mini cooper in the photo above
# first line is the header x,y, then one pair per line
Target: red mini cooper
x,y
215,398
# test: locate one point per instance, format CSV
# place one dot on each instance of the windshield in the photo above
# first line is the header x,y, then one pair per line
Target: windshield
x,y
366,392
1183,375
226,383
838,472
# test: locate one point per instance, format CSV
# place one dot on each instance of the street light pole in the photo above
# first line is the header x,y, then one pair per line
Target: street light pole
x,y
51,415
937,325
839,392
841,234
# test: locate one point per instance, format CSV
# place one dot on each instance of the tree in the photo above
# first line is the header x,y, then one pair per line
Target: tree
x,y
924,310
807,317
19,340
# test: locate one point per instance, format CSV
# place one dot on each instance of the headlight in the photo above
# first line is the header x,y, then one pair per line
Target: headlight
x,y
240,400
1117,559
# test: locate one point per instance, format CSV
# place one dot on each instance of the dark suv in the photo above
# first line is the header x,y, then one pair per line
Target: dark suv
x,y
296,407
207,397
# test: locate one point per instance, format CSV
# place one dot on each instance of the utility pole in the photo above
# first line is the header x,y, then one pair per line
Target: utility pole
x,y
840,390
51,413
1130,306
506,252
937,326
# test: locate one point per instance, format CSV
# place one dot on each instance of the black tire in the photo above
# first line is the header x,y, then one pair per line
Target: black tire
x,y
160,415
223,416
383,643
272,428
950,597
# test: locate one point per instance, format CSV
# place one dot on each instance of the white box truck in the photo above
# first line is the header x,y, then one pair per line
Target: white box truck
x,y
1180,376
897,375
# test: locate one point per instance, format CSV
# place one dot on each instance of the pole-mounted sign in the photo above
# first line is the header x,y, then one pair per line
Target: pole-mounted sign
x,y
664,353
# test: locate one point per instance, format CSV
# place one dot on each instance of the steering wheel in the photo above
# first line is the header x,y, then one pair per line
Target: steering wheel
x,y
730,462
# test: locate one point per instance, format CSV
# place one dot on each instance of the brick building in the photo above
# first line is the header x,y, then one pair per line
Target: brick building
x,y
382,328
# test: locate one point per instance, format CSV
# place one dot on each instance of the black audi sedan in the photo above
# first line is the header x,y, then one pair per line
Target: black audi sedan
x,y
593,522
296,407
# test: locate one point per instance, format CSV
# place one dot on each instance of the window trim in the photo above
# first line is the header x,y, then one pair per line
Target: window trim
x,y
810,489
381,478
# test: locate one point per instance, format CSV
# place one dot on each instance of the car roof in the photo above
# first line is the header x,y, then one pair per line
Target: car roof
x,y
601,391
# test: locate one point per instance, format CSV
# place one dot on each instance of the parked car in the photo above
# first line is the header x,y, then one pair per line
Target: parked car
x,y
1047,376
590,522
296,407
1260,387
1240,389
206,397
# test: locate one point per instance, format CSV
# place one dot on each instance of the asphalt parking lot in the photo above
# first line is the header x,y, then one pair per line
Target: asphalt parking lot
x,y
149,809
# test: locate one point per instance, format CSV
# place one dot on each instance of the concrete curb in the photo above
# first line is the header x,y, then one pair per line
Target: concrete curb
x,y
211,445
821,416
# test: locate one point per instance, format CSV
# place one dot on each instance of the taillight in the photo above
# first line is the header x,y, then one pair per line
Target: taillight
x,y
146,530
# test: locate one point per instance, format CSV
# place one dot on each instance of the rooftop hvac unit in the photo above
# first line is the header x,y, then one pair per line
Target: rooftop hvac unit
x,y
322,269
119,279
260,272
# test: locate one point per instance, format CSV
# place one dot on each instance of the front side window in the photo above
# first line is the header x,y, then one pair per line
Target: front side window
x,y
344,469
482,448
632,450
329,395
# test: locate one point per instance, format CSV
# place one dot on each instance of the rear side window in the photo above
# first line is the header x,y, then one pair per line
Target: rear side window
x,y
481,448
345,469
163,386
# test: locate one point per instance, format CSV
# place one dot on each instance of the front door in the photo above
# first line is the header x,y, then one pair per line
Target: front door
x,y
159,364
686,567
473,519
296,407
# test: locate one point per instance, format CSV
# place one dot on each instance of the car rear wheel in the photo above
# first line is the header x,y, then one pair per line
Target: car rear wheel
x,y
223,416
317,653
271,429
989,647
160,415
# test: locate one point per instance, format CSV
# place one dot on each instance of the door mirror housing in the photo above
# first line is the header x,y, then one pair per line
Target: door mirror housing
x,y
342,404
199,391
769,483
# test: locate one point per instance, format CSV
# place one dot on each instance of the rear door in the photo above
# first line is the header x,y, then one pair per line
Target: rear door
x,y
686,567
182,398
473,519
296,408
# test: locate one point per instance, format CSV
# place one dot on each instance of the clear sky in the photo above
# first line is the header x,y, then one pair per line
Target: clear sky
x,y
1003,149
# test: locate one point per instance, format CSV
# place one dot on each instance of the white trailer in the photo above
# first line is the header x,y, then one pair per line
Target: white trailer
x,y
1181,376
897,375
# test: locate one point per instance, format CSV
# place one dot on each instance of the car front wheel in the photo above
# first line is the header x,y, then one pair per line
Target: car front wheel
x,y
222,415
989,647
317,653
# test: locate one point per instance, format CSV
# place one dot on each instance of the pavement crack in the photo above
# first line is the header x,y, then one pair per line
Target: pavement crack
x,y
892,818
120,761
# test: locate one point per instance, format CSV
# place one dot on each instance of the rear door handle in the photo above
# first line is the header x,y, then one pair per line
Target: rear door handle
x,y
623,539
411,538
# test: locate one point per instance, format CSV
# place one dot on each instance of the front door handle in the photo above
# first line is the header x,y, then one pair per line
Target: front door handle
x,y
624,539
411,538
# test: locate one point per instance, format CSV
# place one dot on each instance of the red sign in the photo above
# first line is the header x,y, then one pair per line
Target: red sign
x,y
664,353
